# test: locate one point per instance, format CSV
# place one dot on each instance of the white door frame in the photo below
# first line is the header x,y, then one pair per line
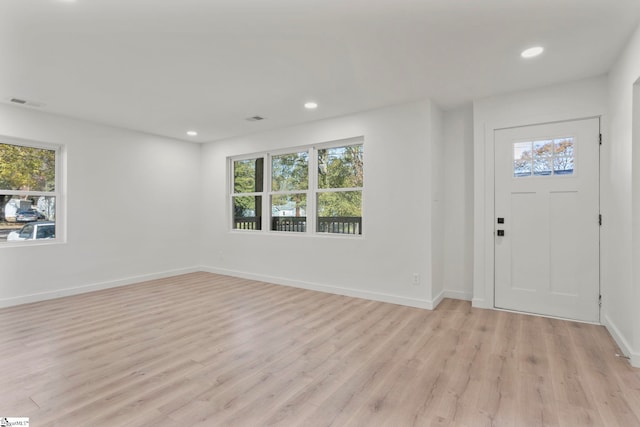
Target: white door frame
x,y
484,199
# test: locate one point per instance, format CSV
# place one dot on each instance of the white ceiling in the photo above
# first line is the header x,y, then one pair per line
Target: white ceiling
x,y
166,66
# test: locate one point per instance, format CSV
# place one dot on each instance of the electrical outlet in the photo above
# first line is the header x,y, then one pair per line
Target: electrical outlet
x,y
416,279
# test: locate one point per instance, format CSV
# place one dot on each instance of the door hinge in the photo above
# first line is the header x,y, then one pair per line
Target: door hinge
x,y
600,220
600,300
600,139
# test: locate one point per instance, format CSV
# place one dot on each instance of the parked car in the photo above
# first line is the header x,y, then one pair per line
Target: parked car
x,y
34,231
29,215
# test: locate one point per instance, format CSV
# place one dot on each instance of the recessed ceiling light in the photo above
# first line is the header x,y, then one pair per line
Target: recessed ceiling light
x,y
192,133
311,105
532,51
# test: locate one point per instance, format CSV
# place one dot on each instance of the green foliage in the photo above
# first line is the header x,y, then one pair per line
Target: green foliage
x,y
342,203
290,172
341,167
247,178
246,206
27,168
338,168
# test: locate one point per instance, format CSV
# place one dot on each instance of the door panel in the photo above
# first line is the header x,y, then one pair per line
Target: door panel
x,y
546,189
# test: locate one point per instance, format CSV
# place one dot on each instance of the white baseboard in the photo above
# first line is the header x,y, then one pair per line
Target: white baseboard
x,y
338,290
356,293
625,348
25,299
438,299
461,295
480,303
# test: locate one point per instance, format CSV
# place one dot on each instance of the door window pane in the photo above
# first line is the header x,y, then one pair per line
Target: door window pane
x,y
542,166
563,165
563,162
563,147
522,159
542,149
543,157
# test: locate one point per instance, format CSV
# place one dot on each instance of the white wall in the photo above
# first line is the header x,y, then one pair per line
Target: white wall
x,y
458,203
587,98
622,186
397,212
133,210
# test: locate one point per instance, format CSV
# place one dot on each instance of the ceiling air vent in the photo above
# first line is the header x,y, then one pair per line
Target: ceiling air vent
x,y
26,102
254,119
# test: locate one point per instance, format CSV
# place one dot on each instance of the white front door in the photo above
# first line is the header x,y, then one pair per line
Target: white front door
x,y
547,234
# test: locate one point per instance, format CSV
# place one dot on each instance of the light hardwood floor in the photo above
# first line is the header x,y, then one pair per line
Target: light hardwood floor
x,y
210,350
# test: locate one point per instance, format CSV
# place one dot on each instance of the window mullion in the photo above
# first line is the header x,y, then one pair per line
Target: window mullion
x,y
311,191
267,190
231,181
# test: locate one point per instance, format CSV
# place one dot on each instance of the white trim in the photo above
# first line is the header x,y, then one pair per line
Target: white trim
x,y
618,337
11,140
481,303
459,295
26,299
548,316
319,287
336,290
29,193
438,299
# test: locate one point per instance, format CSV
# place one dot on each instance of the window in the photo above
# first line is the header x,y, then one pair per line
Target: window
x,y
339,196
544,157
29,190
289,185
313,189
247,193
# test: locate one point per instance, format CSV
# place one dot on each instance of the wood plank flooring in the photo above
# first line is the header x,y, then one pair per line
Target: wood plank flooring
x,y
210,350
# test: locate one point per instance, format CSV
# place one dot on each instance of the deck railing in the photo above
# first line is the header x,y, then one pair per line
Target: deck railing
x,y
289,223
340,224
247,223
337,225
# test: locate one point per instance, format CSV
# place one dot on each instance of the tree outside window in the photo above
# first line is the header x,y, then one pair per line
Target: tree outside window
x,y
325,181
28,185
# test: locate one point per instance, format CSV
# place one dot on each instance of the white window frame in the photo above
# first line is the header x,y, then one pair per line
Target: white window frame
x,y
311,192
269,192
231,177
58,193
